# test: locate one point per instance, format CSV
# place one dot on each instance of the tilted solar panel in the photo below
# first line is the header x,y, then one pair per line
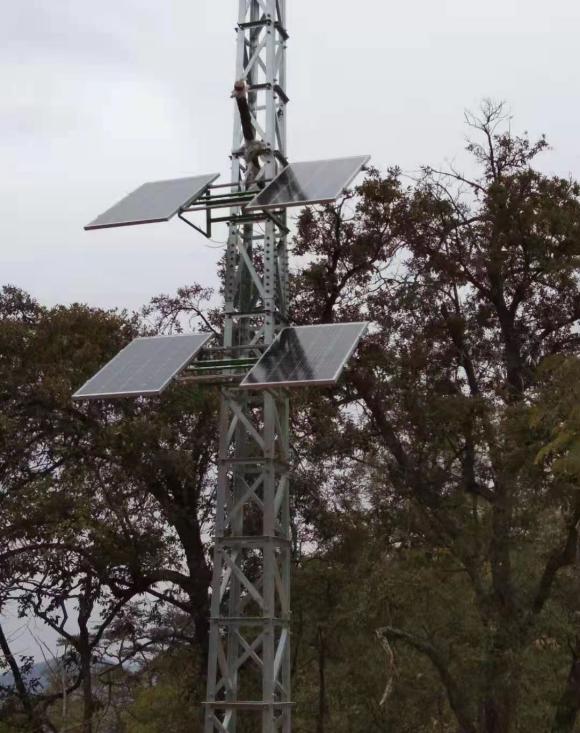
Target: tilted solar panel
x,y
145,367
153,202
310,182
306,355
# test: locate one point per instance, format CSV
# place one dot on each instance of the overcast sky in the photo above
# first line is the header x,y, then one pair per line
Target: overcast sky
x,y
98,98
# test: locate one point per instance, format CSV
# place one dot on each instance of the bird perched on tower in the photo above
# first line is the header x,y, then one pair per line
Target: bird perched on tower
x,y
252,149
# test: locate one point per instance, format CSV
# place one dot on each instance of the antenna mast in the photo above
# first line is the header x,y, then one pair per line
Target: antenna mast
x,y
257,362
249,649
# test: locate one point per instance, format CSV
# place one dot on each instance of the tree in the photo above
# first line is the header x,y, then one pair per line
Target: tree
x,y
471,284
117,495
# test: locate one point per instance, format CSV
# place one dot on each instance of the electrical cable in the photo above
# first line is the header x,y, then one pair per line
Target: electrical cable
x,y
217,245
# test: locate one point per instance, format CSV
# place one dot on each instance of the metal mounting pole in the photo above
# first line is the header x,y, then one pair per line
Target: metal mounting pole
x,y
249,653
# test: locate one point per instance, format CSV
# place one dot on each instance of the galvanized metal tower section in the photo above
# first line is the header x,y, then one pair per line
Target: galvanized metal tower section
x,y
249,652
259,360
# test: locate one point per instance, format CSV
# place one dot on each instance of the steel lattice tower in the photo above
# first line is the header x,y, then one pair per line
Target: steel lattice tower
x,y
248,684
250,604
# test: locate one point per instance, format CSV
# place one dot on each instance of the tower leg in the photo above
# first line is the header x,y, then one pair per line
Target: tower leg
x,y
249,651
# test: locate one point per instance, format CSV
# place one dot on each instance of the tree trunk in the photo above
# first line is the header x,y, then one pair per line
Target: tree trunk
x,y
321,682
495,717
183,517
85,655
21,690
569,703
499,705
201,623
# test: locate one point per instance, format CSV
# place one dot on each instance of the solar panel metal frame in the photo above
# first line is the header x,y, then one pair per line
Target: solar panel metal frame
x,y
204,182
310,382
254,206
78,395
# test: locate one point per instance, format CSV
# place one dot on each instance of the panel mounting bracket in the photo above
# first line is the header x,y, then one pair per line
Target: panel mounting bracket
x,y
207,231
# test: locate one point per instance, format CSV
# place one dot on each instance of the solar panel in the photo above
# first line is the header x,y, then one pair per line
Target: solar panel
x,y
145,367
153,202
311,182
306,355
